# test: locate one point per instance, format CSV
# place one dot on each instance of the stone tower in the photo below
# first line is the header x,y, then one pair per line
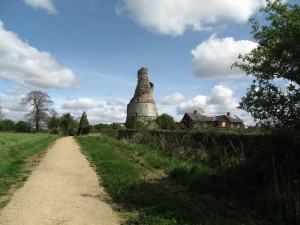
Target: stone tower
x,y
142,104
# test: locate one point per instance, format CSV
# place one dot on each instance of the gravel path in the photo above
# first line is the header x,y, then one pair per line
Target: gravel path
x,y
63,189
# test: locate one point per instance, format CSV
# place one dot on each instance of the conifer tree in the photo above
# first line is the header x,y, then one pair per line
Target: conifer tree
x,y
84,126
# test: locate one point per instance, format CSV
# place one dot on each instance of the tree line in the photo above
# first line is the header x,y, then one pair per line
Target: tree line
x,y
42,116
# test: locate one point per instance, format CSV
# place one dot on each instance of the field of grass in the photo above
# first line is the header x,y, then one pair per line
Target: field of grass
x,y
18,151
152,189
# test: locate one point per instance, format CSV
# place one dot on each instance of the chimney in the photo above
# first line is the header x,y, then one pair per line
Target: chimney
x,y
228,113
195,111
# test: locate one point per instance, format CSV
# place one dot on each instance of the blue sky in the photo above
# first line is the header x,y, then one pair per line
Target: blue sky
x,y
85,54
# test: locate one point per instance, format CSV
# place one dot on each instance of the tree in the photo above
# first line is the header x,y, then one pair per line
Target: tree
x,y
7,125
274,96
53,123
166,122
68,124
40,104
83,127
22,126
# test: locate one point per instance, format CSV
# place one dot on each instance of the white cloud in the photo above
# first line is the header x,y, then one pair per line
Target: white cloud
x,y
214,57
28,67
108,115
220,101
12,108
173,17
172,99
198,102
43,4
115,102
79,103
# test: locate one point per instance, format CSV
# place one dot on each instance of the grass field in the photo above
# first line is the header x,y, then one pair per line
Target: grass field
x,y
18,152
152,189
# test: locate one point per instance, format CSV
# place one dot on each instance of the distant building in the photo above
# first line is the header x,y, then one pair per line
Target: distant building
x,y
142,105
196,120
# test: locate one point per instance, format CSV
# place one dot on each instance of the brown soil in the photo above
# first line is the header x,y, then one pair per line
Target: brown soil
x,y
63,189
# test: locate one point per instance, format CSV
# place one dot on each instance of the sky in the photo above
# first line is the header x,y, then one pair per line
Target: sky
x,y
85,55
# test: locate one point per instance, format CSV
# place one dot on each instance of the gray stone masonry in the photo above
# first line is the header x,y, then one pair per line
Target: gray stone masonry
x,y
142,104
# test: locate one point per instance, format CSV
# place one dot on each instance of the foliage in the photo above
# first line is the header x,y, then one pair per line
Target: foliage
x,y
274,96
115,126
7,125
153,189
68,124
83,127
166,122
53,124
40,104
265,164
22,126
15,150
136,123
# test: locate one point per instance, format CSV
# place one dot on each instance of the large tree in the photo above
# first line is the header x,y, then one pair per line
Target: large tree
x,y
68,124
274,96
40,106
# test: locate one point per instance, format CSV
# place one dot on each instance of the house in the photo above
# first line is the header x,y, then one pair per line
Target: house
x,y
196,120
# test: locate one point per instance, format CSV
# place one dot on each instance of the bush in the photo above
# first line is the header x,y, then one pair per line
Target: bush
x,y
22,126
166,122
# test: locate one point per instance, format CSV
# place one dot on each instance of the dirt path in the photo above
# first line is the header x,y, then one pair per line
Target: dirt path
x,y
63,189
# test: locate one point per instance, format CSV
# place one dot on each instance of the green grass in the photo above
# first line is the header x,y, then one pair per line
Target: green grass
x,y
15,151
152,189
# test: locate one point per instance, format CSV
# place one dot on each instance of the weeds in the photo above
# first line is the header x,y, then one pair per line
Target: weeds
x,y
155,189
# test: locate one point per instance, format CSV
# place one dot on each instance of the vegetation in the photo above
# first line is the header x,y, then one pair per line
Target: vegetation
x,y
22,127
17,151
7,125
40,104
154,189
53,124
68,124
136,123
166,122
83,127
274,96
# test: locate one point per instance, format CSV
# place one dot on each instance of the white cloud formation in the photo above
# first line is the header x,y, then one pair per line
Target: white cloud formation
x,y
214,57
219,101
108,115
172,99
115,102
12,108
28,67
173,17
79,103
43,4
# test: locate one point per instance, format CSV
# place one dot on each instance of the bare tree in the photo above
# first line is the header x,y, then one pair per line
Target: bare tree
x,y
40,105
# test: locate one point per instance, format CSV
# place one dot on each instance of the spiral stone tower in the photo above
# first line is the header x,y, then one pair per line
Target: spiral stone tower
x,y
142,104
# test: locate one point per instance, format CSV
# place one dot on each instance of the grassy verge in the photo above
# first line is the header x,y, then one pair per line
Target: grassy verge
x,y
152,189
18,152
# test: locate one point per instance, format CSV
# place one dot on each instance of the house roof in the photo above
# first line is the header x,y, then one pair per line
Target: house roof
x,y
201,118
234,119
